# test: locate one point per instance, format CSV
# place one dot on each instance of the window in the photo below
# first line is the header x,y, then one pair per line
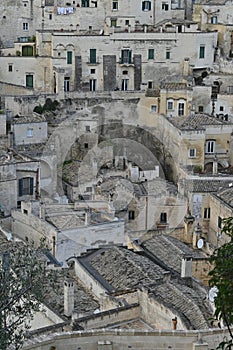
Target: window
x,y
219,222
92,55
221,108
88,128
10,68
210,146
146,6
170,105
150,84
67,84
125,72
115,5
200,109
92,71
29,132
26,186
126,56
92,84
88,189
29,81
25,26
50,16
150,54
192,153
127,22
168,55
131,214
181,108
69,57
85,3
206,213
113,22
153,108
27,50
214,20
163,218
165,6
86,145
202,51
124,84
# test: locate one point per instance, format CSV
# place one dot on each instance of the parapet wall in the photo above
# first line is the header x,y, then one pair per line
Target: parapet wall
x,y
120,339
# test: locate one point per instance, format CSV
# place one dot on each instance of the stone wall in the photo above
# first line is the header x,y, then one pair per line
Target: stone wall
x,y
157,314
32,227
122,339
110,317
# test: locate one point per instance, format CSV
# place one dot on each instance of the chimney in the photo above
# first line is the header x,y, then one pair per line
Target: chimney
x,y
188,226
196,235
87,218
186,266
186,66
42,211
68,297
215,165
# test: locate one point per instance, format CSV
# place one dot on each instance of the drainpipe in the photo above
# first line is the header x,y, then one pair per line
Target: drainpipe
x,y
154,12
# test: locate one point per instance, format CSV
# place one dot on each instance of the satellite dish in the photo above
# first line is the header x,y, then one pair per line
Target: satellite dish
x,y
200,243
213,292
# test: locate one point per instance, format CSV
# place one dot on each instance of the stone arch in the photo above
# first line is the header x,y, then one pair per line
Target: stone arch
x,y
107,129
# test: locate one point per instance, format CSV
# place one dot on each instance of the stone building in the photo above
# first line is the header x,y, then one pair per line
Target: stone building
x,y
29,130
68,228
220,207
19,180
145,280
216,16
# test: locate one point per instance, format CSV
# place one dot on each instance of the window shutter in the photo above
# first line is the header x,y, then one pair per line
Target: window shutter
x,y
69,57
29,81
130,56
143,5
149,5
92,55
20,187
31,186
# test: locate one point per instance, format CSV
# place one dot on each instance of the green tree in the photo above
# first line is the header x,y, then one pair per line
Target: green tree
x,y
221,276
24,280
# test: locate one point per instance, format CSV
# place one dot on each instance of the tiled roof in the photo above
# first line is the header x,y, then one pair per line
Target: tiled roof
x,y
173,86
123,269
206,185
83,299
34,118
187,302
226,195
196,121
170,251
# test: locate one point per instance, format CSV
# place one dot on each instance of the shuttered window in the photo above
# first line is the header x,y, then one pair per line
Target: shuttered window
x,y
29,81
126,56
26,186
146,6
69,57
27,51
92,55
150,54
